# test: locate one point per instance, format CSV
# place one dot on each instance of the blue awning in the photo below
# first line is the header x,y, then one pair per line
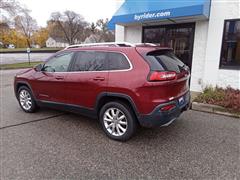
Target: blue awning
x,y
140,11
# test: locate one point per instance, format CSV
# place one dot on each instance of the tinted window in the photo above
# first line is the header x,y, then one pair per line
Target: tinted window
x,y
164,61
59,63
230,55
90,61
118,61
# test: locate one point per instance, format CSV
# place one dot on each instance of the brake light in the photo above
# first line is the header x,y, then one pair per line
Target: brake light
x,y
162,76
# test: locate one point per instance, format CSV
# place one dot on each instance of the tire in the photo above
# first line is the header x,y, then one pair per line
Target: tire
x,y
26,100
118,121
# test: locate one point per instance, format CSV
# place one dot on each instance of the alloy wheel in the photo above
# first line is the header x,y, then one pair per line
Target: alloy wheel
x,y
25,99
115,121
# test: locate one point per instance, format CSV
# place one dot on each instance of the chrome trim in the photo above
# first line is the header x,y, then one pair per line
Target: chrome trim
x,y
117,44
170,122
109,51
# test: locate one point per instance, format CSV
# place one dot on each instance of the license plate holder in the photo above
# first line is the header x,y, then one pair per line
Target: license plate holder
x,y
181,100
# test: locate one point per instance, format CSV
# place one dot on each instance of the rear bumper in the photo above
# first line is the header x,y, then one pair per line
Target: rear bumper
x,y
159,118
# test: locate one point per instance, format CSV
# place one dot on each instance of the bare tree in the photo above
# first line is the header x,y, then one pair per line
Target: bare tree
x,y
54,30
102,24
71,24
10,7
26,25
93,27
105,34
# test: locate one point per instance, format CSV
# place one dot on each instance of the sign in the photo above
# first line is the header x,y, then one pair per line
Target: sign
x,y
132,11
28,50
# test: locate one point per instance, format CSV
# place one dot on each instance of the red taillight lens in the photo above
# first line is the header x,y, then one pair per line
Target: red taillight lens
x,y
168,107
162,76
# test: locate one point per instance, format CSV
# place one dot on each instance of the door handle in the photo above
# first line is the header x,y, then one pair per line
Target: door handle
x,y
59,77
99,79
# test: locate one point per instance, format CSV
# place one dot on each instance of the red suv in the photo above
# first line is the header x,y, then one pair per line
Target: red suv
x,y
122,85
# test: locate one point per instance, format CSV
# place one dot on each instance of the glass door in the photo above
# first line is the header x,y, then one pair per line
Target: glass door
x,y
179,37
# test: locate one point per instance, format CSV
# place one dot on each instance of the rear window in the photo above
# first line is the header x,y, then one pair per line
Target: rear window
x,y
99,61
117,61
164,60
90,61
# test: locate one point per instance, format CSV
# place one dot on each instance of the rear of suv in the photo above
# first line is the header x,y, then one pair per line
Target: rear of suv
x,y
123,85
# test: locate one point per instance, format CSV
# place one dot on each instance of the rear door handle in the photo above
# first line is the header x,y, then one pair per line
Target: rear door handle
x,y
99,79
59,77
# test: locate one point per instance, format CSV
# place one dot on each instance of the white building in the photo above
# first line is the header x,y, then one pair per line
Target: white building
x,y
93,38
56,42
205,34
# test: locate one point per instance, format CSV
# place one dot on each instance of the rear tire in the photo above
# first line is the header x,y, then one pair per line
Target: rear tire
x,y
26,100
118,121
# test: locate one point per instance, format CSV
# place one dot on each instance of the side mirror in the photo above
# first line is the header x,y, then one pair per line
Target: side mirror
x,y
38,67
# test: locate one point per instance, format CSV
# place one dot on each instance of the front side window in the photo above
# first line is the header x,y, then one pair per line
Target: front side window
x,y
58,63
90,61
230,55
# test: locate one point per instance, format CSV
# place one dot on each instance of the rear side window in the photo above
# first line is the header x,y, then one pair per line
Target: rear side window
x,y
164,60
90,61
117,61
99,61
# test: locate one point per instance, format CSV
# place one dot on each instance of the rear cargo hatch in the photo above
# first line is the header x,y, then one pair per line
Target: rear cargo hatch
x,y
169,76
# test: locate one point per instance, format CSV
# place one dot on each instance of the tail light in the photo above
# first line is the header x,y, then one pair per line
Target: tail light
x,y
162,76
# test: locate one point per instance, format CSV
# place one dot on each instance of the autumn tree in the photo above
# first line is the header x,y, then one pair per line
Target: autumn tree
x,y
13,37
40,37
71,24
26,25
4,29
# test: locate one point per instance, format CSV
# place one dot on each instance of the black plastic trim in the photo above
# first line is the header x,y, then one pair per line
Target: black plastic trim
x,y
69,107
159,118
117,95
24,83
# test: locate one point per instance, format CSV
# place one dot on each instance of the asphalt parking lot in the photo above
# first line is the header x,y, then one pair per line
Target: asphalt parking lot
x,y
57,145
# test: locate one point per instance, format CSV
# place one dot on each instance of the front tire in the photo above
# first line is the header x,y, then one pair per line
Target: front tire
x,y
26,100
118,121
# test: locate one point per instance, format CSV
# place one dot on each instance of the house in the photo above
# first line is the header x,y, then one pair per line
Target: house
x,y
204,34
56,42
93,38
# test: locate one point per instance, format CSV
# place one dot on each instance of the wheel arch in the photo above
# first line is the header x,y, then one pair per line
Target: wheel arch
x,y
20,84
104,98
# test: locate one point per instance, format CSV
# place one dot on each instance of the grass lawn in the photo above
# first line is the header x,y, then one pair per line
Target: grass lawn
x,y
25,49
18,65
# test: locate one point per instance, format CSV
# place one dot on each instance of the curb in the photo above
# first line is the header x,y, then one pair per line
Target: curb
x,y
33,51
209,108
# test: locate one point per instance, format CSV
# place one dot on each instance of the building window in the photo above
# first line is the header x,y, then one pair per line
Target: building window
x,y
230,55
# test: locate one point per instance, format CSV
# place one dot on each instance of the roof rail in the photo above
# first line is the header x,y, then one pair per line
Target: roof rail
x,y
116,44
146,44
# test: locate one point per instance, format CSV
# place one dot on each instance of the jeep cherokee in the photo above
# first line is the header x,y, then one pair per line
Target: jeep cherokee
x,y
121,84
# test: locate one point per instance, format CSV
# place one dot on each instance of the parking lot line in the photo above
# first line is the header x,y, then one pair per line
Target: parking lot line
x,y
32,121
